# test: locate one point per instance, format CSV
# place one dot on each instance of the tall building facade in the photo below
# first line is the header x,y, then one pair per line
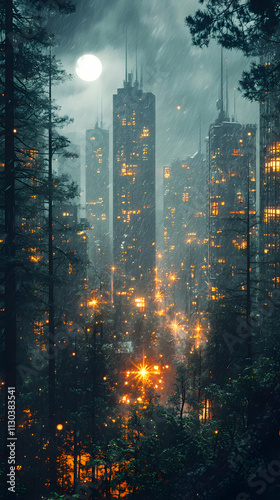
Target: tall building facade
x,y
185,232
232,204
270,189
134,246
97,195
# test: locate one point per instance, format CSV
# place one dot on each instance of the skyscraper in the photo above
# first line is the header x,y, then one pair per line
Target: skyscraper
x,y
232,202
231,194
185,231
270,189
97,195
134,185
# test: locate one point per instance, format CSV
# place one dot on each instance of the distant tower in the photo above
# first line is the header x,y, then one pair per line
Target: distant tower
x,y
221,104
232,183
97,195
270,189
185,231
134,184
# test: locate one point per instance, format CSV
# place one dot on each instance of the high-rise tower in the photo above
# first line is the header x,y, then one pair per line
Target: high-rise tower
x,y
232,202
134,185
97,195
185,231
270,189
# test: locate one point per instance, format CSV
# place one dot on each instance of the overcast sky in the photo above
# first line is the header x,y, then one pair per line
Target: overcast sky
x,y
175,71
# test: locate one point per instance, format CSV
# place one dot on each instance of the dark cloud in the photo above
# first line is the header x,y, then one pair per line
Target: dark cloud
x,y
176,72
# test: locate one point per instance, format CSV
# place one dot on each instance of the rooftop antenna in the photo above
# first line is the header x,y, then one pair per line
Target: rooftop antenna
x,y
126,56
227,100
97,111
101,119
136,49
222,86
199,132
141,77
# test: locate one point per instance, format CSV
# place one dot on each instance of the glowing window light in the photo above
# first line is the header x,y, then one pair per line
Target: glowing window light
x,y
145,133
140,303
166,172
215,208
272,165
271,214
274,148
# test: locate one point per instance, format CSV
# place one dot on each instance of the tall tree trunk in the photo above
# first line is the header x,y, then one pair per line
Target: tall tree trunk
x,y
248,298
52,346
10,278
93,404
248,274
75,457
75,421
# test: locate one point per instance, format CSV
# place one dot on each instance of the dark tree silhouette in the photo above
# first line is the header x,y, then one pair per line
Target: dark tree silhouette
x,y
251,27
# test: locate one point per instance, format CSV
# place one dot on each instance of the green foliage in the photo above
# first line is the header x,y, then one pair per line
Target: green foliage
x,y
251,27
248,26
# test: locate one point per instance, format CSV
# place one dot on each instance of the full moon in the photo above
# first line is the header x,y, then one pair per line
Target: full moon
x,y
89,68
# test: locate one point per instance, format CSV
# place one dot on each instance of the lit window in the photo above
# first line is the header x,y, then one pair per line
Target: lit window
x,y
167,172
271,214
215,208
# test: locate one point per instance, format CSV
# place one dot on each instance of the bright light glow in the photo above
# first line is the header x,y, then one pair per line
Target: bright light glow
x,y
140,303
175,326
89,68
144,372
92,303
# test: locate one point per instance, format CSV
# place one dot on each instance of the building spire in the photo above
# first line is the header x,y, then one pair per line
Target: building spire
x,y
101,117
141,77
222,85
227,99
126,56
199,134
97,110
136,61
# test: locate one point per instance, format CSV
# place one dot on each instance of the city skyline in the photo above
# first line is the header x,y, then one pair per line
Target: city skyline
x,y
140,247
134,232
97,195
176,80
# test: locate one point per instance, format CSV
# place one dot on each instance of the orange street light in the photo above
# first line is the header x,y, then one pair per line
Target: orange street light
x,y
143,372
93,303
175,326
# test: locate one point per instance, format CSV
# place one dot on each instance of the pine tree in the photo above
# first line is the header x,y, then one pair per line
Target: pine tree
x,y
25,78
251,27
